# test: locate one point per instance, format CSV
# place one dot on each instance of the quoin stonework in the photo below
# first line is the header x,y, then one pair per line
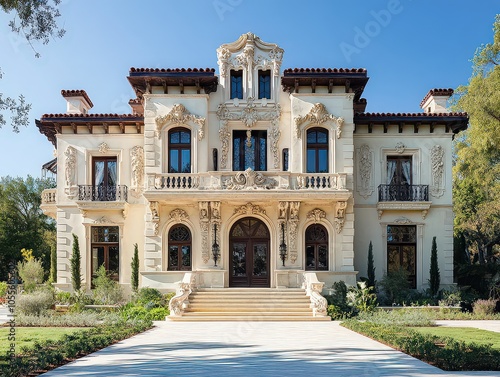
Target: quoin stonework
x,y
252,175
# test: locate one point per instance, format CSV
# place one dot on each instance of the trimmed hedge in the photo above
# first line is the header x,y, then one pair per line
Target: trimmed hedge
x,y
47,355
442,352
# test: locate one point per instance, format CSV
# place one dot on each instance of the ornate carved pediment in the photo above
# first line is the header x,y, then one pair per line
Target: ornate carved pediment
x,y
316,215
180,115
179,215
318,115
250,179
247,52
249,209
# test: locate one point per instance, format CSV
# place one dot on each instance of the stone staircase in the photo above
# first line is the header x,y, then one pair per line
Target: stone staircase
x,y
248,304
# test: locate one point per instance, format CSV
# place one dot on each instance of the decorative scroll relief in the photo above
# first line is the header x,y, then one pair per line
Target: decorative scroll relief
x,y
137,167
437,170
180,115
225,138
403,221
248,52
155,216
293,223
204,222
318,115
103,148
179,215
365,167
70,171
103,220
316,215
249,209
400,147
250,180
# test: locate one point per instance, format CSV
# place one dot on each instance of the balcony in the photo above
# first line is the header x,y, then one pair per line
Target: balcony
x,y
248,182
48,205
102,198
403,198
102,193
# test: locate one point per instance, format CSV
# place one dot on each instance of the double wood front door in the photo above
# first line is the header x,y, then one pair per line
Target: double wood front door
x,y
249,253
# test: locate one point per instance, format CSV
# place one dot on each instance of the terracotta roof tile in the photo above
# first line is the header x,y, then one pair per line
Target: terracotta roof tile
x,y
80,116
173,70
77,93
325,70
411,115
437,92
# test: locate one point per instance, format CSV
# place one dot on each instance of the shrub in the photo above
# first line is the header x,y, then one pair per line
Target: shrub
x,y
3,288
150,296
63,298
158,314
361,298
83,319
484,307
106,291
35,303
399,317
31,272
395,286
338,306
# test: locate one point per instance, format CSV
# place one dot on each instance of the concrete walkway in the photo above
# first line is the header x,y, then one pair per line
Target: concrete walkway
x,y
250,349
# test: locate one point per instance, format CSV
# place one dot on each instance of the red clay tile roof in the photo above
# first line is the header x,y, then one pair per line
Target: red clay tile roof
x,y
325,70
437,92
77,93
411,115
88,116
173,70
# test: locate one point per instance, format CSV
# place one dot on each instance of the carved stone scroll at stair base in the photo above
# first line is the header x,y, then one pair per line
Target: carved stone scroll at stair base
x,y
179,302
313,289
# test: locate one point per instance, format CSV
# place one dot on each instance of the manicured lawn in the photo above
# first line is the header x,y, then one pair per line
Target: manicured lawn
x,y
26,336
465,334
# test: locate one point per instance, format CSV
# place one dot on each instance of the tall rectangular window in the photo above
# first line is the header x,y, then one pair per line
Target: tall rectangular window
x,y
250,151
105,250
265,84
402,251
104,179
236,84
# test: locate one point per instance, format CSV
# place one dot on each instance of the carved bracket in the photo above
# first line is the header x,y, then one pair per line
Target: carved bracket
x,y
340,209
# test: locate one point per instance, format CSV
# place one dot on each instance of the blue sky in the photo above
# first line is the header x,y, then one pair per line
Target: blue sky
x,y
407,46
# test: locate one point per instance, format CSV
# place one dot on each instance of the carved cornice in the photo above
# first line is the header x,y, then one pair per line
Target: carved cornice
x,y
180,115
403,206
318,115
249,209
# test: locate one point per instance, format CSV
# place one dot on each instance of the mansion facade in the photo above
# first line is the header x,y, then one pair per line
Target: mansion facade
x,y
252,177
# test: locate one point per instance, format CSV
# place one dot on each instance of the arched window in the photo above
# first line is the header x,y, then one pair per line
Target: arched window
x,y
179,248
317,150
179,150
316,248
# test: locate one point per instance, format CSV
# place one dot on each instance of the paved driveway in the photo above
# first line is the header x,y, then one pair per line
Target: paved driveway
x,y
249,349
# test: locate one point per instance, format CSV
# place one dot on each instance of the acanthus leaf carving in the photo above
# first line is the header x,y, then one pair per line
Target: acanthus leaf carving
x,y
250,114
180,115
204,223
318,115
179,215
225,138
137,166
249,209
365,167
316,215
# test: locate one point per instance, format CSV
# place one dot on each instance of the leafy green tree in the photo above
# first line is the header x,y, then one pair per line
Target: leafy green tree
x,y
34,20
22,222
371,268
135,269
435,278
75,261
476,173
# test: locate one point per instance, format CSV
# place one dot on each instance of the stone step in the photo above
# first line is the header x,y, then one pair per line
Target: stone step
x,y
246,290
245,318
247,308
248,299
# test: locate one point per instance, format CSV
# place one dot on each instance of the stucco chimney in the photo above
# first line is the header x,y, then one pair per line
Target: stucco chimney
x,y
435,101
136,105
77,101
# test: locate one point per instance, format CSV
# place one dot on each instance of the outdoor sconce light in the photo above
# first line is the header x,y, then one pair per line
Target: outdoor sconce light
x,y
283,244
215,247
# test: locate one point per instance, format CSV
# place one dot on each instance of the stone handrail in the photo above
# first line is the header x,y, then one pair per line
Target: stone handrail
x,y
49,196
180,301
313,289
247,180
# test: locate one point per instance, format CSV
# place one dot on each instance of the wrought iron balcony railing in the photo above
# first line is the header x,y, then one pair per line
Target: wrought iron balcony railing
x,y
102,193
403,193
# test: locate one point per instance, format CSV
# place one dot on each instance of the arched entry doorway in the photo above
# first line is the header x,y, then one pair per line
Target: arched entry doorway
x,y
249,254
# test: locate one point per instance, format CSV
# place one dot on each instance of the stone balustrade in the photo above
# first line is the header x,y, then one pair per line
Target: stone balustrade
x,y
49,196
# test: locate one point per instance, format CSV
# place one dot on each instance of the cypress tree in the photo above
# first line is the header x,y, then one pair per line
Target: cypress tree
x,y
435,279
371,269
135,269
53,264
76,277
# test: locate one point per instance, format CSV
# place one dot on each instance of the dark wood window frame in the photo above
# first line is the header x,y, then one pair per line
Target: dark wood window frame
x,y
313,241
106,245
400,246
316,148
265,84
179,147
180,244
